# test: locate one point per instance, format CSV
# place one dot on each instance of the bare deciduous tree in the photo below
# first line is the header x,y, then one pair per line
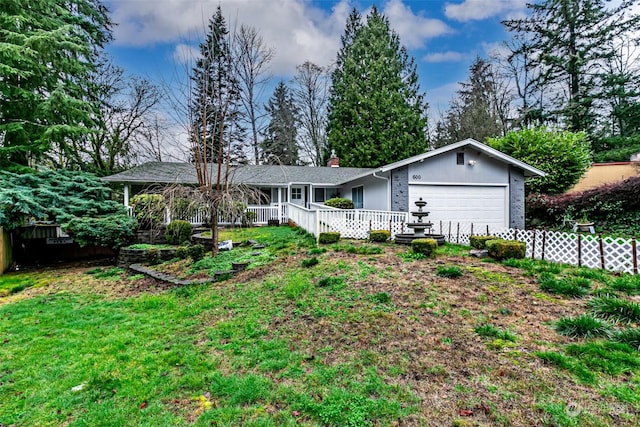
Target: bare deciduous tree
x,y
253,58
310,92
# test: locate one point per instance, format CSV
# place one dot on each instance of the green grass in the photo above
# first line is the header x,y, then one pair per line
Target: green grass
x,y
450,271
614,309
12,284
491,331
344,343
358,249
585,326
573,287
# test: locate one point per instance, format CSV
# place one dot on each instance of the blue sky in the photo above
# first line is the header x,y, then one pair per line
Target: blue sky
x,y
153,37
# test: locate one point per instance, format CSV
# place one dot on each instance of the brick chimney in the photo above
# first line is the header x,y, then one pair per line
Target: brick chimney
x,y
334,161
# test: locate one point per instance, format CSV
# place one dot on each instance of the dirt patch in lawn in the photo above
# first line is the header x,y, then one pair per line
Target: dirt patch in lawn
x,y
422,337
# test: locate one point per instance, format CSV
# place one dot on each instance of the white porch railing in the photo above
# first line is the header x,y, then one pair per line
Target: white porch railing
x,y
304,218
262,215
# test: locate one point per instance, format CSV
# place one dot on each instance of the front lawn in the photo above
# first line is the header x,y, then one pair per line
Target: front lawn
x,y
358,336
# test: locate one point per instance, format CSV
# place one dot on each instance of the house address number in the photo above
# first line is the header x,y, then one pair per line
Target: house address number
x,y
416,177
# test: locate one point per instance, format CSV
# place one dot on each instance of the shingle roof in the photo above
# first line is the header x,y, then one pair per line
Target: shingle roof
x,y
268,175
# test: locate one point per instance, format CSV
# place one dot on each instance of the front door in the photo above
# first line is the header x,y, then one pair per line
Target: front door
x,y
298,195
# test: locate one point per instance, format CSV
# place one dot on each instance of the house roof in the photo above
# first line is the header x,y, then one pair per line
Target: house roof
x,y
257,175
280,175
491,152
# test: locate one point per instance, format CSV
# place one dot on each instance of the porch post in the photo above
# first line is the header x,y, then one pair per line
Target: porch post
x,y
280,204
126,195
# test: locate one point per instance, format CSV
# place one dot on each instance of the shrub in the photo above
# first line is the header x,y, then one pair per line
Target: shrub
x,y
585,326
310,262
424,246
450,271
606,203
196,252
339,202
149,210
615,309
111,231
182,252
574,287
248,218
381,298
379,235
153,256
571,156
479,242
178,232
502,249
329,237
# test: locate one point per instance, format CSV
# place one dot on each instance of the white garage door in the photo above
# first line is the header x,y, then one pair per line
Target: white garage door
x,y
465,204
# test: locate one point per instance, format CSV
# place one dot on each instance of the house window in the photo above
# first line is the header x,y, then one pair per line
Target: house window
x,y
322,194
460,158
357,197
296,194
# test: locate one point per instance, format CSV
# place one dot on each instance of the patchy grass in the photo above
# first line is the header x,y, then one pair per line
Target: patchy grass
x,y
353,341
585,326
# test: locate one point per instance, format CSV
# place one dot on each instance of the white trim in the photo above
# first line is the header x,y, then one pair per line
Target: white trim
x,y
465,184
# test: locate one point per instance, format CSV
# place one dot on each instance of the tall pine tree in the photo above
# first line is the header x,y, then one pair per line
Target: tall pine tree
x,y
570,42
280,146
214,107
376,110
479,111
48,49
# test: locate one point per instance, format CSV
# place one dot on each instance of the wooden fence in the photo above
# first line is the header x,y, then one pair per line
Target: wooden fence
x,y
5,251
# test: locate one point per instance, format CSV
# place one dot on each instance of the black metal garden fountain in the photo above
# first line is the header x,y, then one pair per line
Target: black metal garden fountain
x,y
419,227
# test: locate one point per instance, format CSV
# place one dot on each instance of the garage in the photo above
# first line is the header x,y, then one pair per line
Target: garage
x,y
477,204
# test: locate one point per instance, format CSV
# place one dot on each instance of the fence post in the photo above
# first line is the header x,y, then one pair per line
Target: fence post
x,y
601,250
515,233
634,255
487,229
390,228
440,227
449,230
579,250
544,238
471,229
533,245
458,234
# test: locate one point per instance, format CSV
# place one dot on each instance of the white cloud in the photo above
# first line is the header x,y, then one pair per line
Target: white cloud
x,y
470,10
185,54
449,56
297,30
413,29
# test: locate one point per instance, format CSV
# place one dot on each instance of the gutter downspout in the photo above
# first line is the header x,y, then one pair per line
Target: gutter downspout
x,y
388,189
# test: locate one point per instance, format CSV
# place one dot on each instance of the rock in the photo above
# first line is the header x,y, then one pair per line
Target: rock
x,y
479,253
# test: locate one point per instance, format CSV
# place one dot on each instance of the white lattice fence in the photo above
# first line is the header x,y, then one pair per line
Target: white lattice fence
x,y
589,250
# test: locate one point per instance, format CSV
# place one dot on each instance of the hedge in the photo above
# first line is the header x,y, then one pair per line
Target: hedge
x,y
424,246
178,232
379,235
502,249
479,242
329,237
339,202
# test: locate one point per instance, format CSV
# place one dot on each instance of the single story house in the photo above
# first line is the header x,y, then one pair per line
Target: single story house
x,y
462,182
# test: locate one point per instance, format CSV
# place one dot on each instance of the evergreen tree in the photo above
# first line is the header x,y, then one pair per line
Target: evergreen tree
x,y
47,51
215,115
570,41
280,145
376,110
479,111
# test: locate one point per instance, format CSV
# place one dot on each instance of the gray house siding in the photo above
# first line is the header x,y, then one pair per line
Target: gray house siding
x,y
516,197
400,189
444,169
375,192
